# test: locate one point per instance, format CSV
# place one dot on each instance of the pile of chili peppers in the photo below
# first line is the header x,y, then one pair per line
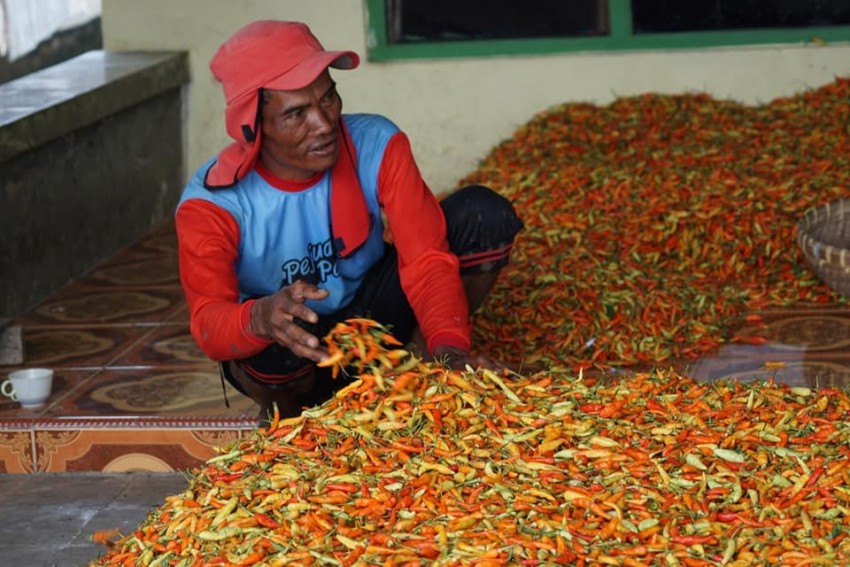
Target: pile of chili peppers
x,y
416,464
655,224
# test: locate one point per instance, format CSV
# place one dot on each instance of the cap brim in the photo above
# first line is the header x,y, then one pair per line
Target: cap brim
x,y
310,68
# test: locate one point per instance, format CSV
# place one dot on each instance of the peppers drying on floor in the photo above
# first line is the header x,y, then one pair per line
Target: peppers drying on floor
x,y
656,223
416,464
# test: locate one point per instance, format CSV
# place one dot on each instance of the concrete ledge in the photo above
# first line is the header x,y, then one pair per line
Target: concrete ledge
x,y
91,159
81,91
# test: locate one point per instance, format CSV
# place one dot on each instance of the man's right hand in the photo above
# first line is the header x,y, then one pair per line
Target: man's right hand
x,y
273,317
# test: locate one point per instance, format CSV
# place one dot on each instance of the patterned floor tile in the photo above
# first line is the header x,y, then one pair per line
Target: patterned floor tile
x,y
16,451
811,373
840,306
137,271
180,315
808,345
85,305
811,330
58,346
167,345
155,392
162,239
149,449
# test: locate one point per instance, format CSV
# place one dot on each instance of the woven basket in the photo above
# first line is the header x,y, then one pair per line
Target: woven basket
x,y
824,236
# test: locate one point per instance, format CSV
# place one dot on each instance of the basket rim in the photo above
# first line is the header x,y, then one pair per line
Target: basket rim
x,y
815,249
813,213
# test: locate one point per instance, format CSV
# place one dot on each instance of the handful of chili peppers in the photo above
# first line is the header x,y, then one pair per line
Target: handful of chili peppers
x,y
416,464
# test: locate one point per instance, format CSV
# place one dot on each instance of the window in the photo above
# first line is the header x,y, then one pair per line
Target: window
x,y
653,16
405,29
415,21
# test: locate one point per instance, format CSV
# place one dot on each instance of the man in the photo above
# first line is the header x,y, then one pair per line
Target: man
x,y
281,235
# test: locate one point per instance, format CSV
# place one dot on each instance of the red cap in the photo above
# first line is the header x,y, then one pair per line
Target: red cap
x,y
266,54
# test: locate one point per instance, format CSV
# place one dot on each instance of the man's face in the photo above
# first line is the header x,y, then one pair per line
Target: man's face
x,y
300,129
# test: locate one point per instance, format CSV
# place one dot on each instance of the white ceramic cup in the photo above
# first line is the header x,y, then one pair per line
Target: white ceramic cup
x,y
30,387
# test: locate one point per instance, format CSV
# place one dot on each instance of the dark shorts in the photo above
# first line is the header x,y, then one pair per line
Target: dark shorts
x,y
481,226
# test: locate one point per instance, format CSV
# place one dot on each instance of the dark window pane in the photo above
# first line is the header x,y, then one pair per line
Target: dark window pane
x,y
653,16
417,21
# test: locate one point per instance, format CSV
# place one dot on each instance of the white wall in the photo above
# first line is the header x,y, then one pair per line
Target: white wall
x,y
455,110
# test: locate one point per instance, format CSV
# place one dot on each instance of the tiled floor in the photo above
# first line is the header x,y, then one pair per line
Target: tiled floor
x,y
805,346
133,392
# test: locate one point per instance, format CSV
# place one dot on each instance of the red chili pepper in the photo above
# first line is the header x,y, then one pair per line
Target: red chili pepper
x,y
693,539
727,517
227,477
816,474
266,521
591,408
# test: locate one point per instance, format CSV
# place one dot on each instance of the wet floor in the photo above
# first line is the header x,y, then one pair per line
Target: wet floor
x,y
48,519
